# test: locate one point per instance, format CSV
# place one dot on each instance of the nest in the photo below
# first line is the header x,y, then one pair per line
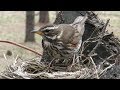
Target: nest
x,y
34,69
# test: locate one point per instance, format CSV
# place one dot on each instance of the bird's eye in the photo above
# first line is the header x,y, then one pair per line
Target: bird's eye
x,y
47,30
59,45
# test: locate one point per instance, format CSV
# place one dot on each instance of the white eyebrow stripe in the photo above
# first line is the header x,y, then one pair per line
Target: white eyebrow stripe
x,y
55,27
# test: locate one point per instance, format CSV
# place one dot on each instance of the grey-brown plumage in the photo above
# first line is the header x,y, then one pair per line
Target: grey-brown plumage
x,y
66,33
62,41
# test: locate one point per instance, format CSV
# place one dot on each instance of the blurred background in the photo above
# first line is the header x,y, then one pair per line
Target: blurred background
x,y
16,26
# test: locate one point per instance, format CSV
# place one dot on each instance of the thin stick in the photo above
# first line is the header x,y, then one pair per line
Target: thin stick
x,y
15,60
106,69
22,46
96,72
4,76
5,57
73,62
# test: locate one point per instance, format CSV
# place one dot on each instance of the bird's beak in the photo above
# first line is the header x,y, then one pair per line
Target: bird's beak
x,y
37,32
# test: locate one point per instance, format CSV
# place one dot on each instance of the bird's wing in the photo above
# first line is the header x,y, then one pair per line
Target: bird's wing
x,y
79,23
80,20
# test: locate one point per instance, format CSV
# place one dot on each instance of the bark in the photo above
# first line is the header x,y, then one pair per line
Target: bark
x,y
29,37
43,17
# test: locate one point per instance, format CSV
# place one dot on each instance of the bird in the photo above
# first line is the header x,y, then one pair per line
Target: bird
x,y
60,42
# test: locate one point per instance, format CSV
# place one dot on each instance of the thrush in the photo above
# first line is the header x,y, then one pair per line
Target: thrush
x,y
60,42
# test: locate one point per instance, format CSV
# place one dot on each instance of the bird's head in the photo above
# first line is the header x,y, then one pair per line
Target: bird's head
x,y
48,31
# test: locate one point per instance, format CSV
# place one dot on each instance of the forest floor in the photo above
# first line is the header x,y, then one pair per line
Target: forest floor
x,y
12,28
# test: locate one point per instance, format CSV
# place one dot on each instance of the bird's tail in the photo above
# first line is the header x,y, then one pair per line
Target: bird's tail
x,y
80,20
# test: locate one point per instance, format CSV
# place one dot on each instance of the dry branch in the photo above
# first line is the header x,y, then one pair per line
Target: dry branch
x,y
22,46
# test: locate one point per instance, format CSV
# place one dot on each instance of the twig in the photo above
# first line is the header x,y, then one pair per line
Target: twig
x,y
105,26
22,46
73,62
106,69
89,40
95,67
5,57
15,60
94,48
5,77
